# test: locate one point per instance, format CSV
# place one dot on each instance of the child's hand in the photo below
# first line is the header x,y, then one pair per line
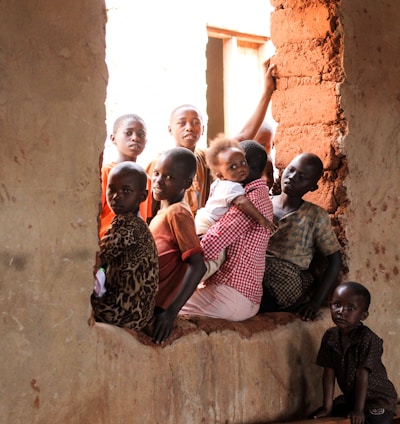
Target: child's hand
x,y
270,76
319,413
163,325
268,225
357,417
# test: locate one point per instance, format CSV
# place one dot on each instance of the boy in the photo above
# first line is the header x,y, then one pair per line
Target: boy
x,y
302,228
127,254
351,353
234,291
180,255
129,137
186,127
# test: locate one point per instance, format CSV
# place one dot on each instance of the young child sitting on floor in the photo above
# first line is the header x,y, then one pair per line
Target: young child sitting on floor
x,y
227,162
127,280
351,353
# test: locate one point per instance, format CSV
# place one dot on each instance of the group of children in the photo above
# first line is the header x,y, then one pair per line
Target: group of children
x,y
211,221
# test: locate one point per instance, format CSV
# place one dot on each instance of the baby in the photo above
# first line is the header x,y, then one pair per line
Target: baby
x,y
227,162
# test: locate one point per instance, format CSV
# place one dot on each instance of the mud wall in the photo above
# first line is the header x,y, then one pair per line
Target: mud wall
x,y
55,368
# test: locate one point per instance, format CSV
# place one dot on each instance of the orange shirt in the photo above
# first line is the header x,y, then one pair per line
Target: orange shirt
x,y
176,240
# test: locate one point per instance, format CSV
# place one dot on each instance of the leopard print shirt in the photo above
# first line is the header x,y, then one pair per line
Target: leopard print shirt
x,y
129,255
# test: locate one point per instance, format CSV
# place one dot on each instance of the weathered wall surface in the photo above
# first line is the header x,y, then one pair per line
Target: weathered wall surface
x,y
370,98
57,369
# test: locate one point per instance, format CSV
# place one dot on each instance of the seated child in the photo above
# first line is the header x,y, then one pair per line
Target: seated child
x,y
180,254
352,354
128,255
302,229
234,291
227,162
129,137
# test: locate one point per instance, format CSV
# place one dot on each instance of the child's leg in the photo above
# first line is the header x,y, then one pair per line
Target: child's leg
x,y
214,265
220,301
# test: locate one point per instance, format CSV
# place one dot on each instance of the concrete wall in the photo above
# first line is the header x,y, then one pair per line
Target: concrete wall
x,y
55,368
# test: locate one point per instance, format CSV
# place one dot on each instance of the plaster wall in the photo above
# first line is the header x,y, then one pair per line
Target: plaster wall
x,y
55,368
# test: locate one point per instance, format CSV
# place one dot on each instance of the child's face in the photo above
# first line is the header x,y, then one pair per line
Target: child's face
x,y
299,177
170,180
347,309
123,193
130,139
186,127
232,165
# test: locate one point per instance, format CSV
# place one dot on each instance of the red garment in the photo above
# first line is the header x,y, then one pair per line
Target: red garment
x,y
106,214
246,242
176,240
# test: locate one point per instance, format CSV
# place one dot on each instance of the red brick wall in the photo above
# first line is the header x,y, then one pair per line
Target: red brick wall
x,y
308,40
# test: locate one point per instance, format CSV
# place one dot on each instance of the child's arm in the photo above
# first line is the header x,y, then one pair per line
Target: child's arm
x,y
246,206
328,386
357,414
164,322
256,119
309,310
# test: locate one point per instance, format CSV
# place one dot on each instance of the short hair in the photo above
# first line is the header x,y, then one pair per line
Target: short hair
x,y
130,116
359,290
184,158
218,145
134,170
256,155
185,106
316,163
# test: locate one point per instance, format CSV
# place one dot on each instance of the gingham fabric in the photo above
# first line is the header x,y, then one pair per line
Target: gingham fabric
x,y
246,242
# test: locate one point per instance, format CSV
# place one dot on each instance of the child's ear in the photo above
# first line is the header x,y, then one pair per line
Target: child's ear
x,y
143,195
364,315
188,183
112,138
169,129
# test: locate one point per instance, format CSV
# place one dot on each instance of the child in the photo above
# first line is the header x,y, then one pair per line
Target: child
x,y
129,137
180,254
127,254
302,228
227,162
234,291
186,127
351,353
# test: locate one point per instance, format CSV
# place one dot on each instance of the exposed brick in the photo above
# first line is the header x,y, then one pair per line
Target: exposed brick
x,y
302,104
312,23
317,139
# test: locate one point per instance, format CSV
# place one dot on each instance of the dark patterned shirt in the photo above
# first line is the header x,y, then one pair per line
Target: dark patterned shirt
x,y
363,351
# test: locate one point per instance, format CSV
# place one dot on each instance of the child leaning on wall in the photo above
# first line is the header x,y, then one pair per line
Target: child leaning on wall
x,y
127,279
302,229
186,127
129,137
351,353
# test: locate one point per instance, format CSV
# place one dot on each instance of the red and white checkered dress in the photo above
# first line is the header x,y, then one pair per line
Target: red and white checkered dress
x,y
246,242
